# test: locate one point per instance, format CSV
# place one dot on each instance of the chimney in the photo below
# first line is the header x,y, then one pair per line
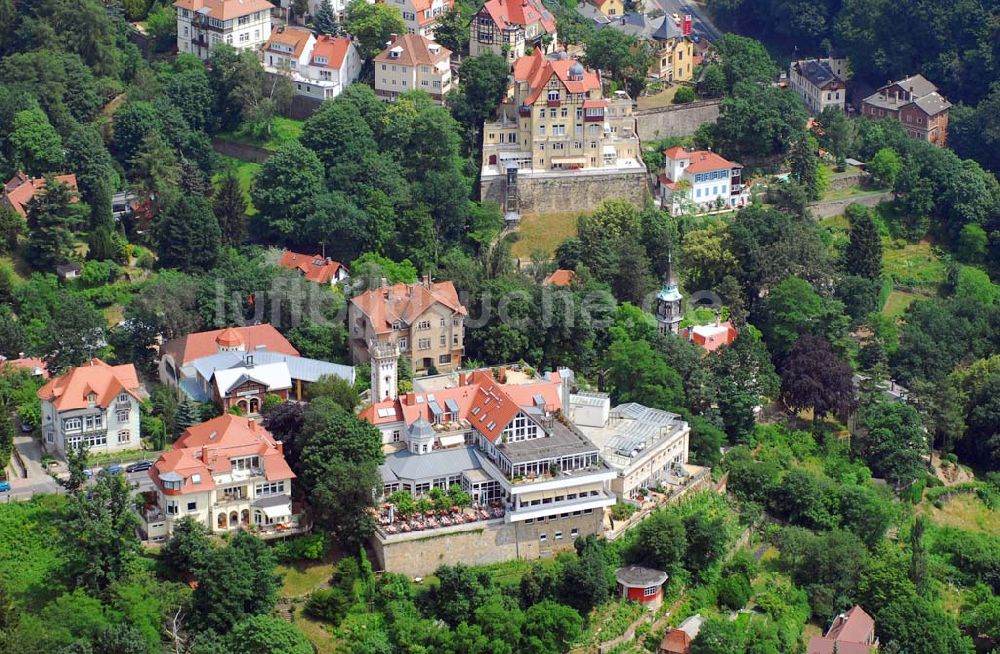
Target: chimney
x,y
502,374
427,280
392,38
463,378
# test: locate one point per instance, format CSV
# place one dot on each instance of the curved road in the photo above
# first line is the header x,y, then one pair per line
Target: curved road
x,y
700,23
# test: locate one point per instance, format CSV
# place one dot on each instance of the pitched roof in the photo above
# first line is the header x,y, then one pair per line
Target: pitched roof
x,y
710,337
70,390
421,6
819,73
916,84
676,641
560,277
20,189
537,70
296,38
414,49
314,267
510,13
201,344
34,365
701,160
405,303
224,9
333,48
932,103
851,627
819,645
206,449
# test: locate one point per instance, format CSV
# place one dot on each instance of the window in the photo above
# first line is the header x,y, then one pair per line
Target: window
x,y
403,343
192,506
173,485
424,344
245,463
395,435
649,592
559,535
454,339
554,95
123,397
124,436
541,130
72,424
172,508
270,488
574,533
244,37
424,324
542,538
123,415
444,358
443,340
93,422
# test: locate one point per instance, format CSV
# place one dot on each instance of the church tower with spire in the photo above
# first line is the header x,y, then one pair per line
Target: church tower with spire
x,y
668,302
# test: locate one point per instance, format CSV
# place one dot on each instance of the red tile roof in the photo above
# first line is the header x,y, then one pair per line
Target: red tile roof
x,y
508,13
710,337
294,37
20,189
413,49
224,9
537,71
314,267
849,633
202,344
676,641
207,449
334,48
105,382
33,365
560,277
420,6
405,303
701,160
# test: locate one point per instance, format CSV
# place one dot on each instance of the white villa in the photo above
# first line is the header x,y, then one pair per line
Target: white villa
x,y
700,181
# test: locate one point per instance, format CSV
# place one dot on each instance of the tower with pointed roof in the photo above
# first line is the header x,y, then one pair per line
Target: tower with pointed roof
x,y
668,302
384,363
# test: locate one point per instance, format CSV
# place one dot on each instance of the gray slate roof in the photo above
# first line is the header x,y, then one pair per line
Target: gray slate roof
x,y
818,73
933,103
308,370
408,466
634,24
638,576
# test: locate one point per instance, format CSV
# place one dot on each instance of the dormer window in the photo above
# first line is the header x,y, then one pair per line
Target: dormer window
x,y
123,397
196,479
321,61
91,398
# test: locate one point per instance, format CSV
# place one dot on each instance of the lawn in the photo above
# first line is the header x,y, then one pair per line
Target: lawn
x,y
965,511
897,303
302,577
283,130
245,172
543,231
664,98
912,264
317,633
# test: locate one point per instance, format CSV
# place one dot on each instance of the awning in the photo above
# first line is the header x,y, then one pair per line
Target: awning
x,y
610,149
277,511
569,160
274,506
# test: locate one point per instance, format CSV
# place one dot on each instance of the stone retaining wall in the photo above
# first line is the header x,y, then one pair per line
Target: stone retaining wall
x,y
580,190
675,120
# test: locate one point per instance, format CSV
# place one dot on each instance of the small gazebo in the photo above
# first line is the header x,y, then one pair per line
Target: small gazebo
x,y
641,584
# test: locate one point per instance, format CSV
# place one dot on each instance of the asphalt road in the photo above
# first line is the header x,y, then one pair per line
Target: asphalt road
x,y
25,489
700,23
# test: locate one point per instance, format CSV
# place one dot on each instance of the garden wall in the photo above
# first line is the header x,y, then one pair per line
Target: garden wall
x,y
675,120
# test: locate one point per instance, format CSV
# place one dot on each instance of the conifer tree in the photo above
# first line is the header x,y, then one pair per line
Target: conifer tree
x,y
187,415
231,211
52,217
325,22
863,256
805,165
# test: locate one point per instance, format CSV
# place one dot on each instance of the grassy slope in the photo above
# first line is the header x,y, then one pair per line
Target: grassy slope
x,y
544,231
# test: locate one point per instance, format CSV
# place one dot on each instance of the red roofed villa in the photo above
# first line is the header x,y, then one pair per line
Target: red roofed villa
x,y
20,190
95,405
850,633
177,355
314,267
710,337
701,181
560,277
510,27
227,473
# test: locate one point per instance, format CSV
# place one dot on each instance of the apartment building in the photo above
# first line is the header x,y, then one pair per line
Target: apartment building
x,y
422,16
228,474
555,118
914,102
425,322
413,62
646,447
509,27
95,405
821,83
319,68
668,36
203,24
700,181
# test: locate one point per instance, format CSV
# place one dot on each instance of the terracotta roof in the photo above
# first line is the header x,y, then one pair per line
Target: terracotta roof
x,y
70,391
852,627
405,303
296,38
701,160
819,645
334,48
20,189
413,49
314,267
420,6
33,365
201,344
508,13
676,641
536,70
560,277
207,449
224,9
710,337
669,183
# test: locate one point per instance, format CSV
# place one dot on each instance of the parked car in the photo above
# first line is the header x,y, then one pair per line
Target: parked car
x,y
4,486
139,466
87,472
114,469
27,428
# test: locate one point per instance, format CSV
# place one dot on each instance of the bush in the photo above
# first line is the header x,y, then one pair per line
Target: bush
x,y
623,511
311,548
684,95
734,592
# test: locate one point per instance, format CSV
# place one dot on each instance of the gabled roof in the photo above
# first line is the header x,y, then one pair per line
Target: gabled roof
x,y
701,160
224,9
537,70
932,103
20,189
274,376
560,277
34,365
405,303
420,6
513,13
201,344
314,267
675,641
333,48
851,627
296,38
414,49
819,73
70,390
916,84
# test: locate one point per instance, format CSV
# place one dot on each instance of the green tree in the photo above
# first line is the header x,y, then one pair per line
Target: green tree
x,y
230,208
338,389
713,81
805,165
7,433
95,170
52,217
662,541
972,243
189,546
372,25
793,308
188,236
584,581
235,582
839,134
684,95
891,440
549,627
734,592
885,167
185,416
133,122
719,636
289,177
35,144
744,60
814,377
637,373
325,21
863,255
11,227
623,57
706,541
452,31
263,634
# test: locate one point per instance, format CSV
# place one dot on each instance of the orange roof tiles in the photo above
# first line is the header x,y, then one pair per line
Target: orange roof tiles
x,y
202,344
711,337
405,303
508,13
224,9
333,48
415,49
314,267
72,389
560,277
676,641
33,365
20,189
208,448
295,38
537,71
701,160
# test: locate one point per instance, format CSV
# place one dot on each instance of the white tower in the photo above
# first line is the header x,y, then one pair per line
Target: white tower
x,y
668,303
384,361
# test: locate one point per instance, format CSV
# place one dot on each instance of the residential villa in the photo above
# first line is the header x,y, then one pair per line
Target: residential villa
x,y
849,633
203,24
35,366
536,481
914,102
609,8
710,337
424,322
559,277
555,119
508,28
669,37
646,447
700,181
21,189
177,355
423,16
95,405
236,376
319,68
315,267
413,63
821,83
227,473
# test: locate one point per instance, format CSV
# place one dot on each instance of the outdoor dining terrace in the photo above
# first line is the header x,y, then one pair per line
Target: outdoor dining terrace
x,y
391,521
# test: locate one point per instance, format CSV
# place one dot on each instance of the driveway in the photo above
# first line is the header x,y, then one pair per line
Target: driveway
x,y
31,453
